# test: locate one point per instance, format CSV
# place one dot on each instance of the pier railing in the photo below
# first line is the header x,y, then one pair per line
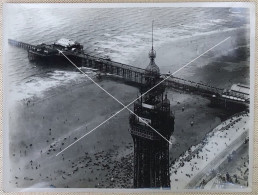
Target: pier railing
x,y
135,74
21,44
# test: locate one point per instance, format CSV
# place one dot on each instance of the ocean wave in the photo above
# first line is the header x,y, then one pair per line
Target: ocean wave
x,y
117,35
125,48
121,48
36,85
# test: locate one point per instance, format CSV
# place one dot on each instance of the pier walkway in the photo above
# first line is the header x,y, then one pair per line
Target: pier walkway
x,y
137,75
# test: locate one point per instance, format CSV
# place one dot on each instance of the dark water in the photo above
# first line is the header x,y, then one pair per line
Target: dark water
x,y
121,33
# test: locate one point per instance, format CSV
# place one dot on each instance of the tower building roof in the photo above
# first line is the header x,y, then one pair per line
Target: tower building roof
x,y
152,68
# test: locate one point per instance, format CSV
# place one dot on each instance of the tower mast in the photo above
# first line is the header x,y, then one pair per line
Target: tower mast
x,y
152,33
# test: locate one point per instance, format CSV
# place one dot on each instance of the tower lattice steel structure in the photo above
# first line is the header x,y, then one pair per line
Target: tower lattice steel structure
x,y
151,151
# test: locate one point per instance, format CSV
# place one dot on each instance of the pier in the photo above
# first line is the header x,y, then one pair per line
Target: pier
x,y
137,75
21,44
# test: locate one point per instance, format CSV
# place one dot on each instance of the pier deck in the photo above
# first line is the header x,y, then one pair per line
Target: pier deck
x,y
137,75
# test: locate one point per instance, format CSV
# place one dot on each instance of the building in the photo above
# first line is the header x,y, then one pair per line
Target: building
x,y
241,90
68,45
50,52
151,150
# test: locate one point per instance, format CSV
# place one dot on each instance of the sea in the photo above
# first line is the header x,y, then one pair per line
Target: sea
x,y
123,34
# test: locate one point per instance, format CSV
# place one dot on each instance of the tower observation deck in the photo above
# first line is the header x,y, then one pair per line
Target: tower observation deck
x,y
151,151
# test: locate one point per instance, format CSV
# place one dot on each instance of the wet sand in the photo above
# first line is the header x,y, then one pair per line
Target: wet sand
x,y
104,158
61,120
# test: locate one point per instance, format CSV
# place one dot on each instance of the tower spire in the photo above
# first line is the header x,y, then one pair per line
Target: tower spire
x,y
152,33
152,53
152,67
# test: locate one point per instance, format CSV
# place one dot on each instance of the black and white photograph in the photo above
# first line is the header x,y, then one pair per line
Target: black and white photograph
x,y
128,97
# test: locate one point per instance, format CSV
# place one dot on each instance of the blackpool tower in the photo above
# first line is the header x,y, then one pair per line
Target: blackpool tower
x,y
151,150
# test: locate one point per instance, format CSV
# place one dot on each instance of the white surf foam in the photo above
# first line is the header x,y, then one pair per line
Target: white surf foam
x,y
126,48
36,86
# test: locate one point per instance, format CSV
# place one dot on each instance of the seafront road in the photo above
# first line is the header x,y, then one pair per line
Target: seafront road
x,y
218,160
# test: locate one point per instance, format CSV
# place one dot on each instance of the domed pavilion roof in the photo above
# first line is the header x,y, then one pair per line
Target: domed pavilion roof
x,y
152,68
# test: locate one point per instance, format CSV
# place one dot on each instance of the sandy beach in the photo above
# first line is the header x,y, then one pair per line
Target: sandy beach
x,y
107,153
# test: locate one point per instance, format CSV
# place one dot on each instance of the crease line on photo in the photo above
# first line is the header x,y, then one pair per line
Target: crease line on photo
x,y
126,107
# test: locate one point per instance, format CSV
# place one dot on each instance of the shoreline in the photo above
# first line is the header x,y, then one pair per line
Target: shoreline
x,y
96,143
176,52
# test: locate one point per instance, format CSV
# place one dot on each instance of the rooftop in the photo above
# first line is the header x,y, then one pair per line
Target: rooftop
x,y
65,42
241,88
